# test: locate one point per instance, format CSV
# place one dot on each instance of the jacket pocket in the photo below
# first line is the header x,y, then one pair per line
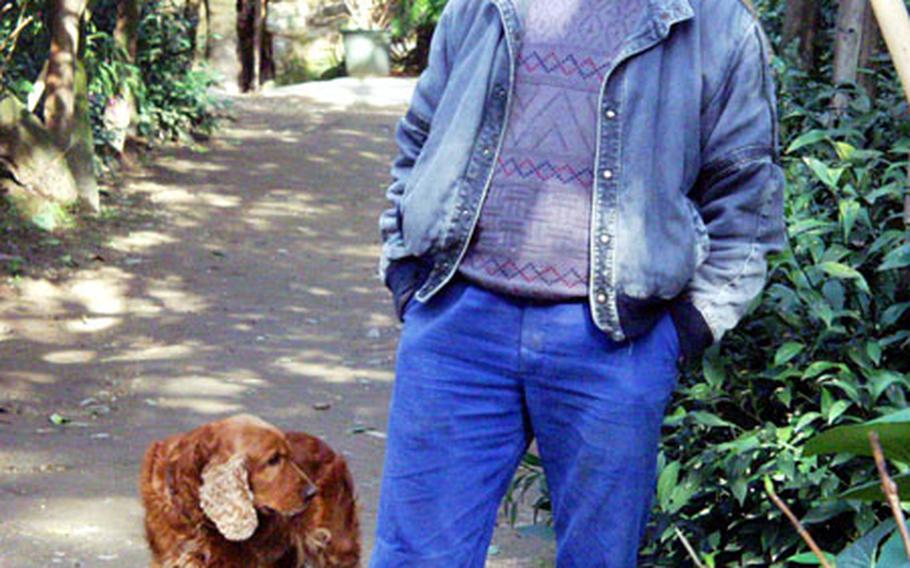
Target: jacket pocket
x,y
702,238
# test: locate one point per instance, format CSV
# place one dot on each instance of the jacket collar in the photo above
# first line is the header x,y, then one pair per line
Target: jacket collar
x,y
660,16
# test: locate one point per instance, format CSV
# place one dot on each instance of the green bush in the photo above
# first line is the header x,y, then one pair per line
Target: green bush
x,y
20,66
174,101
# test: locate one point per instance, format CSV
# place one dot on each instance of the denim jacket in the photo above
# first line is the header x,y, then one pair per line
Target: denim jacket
x,y
688,197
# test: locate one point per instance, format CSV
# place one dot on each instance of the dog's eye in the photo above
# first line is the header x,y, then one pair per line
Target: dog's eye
x,y
274,460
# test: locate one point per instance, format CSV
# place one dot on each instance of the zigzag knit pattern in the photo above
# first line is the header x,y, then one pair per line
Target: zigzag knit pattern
x,y
532,236
568,65
529,272
545,171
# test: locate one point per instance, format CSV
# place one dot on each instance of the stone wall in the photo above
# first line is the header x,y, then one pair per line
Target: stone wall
x,y
306,37
223,53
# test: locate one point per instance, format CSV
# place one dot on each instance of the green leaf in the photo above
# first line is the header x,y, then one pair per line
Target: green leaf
x,y
842,271
882,379
682,494
844,151
836,410
807,139
829,176
809,559
787,352
894,313
893,554
740,488
897,258
711,420
669,477
58,419
819,367
893,431
872,491
874,351
714,371
861,554
849,211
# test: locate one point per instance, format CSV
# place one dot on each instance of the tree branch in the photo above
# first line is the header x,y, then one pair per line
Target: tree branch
x,y
769,488
889,488
689,549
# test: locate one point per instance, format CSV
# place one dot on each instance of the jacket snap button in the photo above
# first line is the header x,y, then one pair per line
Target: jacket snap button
x,y
604,239
608,174
610,114
601,298
487,152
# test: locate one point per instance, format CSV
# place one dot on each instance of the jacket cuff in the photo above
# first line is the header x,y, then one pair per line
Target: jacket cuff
x,y
403,278
694,334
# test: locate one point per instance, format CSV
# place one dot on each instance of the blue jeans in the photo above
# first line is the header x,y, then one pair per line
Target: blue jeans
x,y
479,375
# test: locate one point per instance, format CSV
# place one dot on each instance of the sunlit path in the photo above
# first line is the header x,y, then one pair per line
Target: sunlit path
x,y
251,288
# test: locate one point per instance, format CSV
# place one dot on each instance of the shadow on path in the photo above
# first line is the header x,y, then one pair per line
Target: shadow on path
x,y
253,289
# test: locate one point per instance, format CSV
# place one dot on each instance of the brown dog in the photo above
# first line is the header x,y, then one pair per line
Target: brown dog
x,y
241,493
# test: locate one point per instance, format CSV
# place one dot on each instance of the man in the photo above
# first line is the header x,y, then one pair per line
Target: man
x,y
585,196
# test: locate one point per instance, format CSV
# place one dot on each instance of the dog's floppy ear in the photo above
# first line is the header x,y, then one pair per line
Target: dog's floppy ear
x,y
225,498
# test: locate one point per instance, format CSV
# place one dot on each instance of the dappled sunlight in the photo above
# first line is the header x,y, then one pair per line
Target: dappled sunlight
x,y
100,519
205,406
197,386
141,351
101,291
179,196
196,165
171,293
350,92
30,377
70,357
309,368
39,296
90,324
317,291
138,241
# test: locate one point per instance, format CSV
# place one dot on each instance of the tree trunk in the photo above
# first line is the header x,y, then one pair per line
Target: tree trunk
x,y
126,37
871,46
848,40
66,107
851,16
60,104
801,24
80,154
257,45
126,32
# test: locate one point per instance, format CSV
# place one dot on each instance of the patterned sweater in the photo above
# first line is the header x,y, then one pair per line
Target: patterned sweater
x,y
532,236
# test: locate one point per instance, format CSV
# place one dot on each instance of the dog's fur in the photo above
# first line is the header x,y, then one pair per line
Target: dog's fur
x,y
239,493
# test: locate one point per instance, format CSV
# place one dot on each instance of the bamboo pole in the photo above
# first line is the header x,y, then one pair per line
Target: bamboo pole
x,y
894,22
895,25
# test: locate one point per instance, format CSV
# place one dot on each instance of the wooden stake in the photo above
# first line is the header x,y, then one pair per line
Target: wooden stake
x,y
769,488
895,25
689,549
889,488
894,22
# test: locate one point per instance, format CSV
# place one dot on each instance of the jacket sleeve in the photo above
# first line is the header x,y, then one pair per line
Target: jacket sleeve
x,y
397,269
739,194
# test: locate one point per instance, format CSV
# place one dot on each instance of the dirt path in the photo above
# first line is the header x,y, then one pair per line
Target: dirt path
x,y
252,288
